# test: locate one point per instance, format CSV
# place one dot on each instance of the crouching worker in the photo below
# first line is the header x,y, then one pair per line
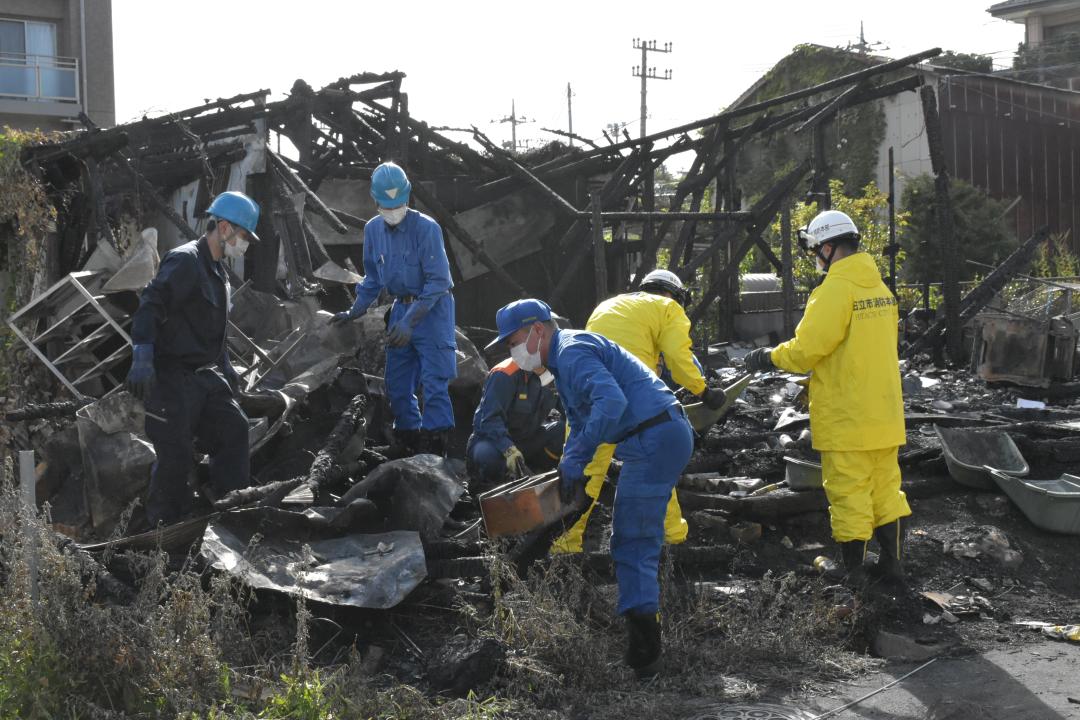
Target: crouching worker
x,y
512,436
180,367
847,338
612,397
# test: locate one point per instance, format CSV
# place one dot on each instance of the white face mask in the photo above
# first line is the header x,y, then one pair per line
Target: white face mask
x,y
393,216
237,249
527,361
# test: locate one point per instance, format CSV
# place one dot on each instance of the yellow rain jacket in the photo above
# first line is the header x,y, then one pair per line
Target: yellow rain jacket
x,y
847,338
647,325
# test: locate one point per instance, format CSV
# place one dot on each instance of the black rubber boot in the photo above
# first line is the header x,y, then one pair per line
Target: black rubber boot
x,y
853,552
890,567
643,643
433,441
405,443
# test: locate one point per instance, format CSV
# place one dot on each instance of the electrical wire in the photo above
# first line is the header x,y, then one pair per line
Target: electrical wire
x,y
869,695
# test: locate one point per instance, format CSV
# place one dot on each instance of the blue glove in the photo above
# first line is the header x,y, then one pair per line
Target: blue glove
x,y
759,360
140,378
571,485
400,334
343,317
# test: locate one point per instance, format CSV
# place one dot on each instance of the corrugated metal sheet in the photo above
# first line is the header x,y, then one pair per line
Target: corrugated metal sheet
x,y
1015,139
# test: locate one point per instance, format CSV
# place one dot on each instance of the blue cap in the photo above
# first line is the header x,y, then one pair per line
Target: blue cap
x,y
516,315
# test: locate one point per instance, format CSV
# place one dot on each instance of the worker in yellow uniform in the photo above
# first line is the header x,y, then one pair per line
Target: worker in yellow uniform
x,y
653,327
847,339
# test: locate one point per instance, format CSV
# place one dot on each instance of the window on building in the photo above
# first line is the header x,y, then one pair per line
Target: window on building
x,y
29,65
1054,32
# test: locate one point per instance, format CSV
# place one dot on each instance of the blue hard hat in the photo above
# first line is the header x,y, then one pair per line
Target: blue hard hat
x,y
516,315
389,186
237,208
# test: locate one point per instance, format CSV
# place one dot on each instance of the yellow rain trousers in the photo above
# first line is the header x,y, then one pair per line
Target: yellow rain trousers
x,y
647,326
847,339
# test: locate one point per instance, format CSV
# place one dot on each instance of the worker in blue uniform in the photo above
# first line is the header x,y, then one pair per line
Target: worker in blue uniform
x,y
180,366
404,254
612,397
512,433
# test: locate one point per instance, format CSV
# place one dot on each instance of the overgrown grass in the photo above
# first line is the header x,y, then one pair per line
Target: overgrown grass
x,y
777,635
187,645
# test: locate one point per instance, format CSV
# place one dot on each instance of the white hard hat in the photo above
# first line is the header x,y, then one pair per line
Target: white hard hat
x,y
667,281
828,226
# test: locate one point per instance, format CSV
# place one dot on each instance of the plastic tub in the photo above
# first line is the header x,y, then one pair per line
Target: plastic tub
x,y
802,474
1052,505
969,454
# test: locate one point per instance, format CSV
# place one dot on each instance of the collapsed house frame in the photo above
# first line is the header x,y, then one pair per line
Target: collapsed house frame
x,y
545,225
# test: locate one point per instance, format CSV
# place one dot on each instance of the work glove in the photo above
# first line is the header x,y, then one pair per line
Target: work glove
x,y
515,463
714,398
759,360
343,317
399,336
140,378
571,485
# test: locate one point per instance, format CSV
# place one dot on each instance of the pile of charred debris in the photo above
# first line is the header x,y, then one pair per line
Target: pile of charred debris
x,y
333,518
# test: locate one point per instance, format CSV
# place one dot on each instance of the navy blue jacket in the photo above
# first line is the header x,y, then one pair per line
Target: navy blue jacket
x,y
514,406
183,310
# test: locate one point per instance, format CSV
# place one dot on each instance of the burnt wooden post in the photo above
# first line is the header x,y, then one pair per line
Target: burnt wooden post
x,y
648,194
264,254
821,189
730,304
943,223
892,248
787,276
599,254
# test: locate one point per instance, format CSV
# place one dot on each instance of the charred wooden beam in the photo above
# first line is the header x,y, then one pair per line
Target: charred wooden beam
x,y
516,169
828,112
572,136
613,189
841,81
763,212
943,223
979,296
291,178
446,218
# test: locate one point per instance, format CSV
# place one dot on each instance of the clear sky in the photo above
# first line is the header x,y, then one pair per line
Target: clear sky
x,y
466,60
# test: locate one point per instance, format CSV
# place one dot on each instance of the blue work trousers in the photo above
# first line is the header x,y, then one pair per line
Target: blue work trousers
x,y
428,361
200,413
541,451
652,460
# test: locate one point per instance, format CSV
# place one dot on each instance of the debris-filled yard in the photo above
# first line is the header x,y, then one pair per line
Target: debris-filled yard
x,y
351,579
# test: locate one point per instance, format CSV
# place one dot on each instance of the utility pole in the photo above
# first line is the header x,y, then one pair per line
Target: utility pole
x,y
570,114
514,121
648,190
647,73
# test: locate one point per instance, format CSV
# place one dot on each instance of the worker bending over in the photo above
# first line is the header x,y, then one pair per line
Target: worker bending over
x,y
653,327
612,397
847,338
